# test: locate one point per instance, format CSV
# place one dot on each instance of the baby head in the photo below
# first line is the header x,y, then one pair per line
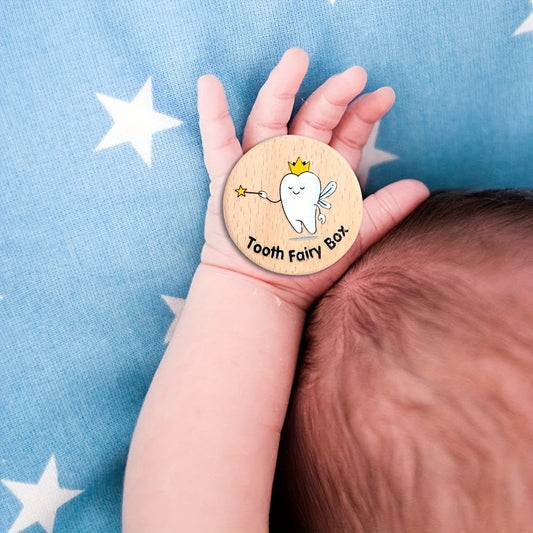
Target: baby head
x,y
413,407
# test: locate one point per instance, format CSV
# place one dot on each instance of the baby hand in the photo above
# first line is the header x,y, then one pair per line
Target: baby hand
x,y
330,115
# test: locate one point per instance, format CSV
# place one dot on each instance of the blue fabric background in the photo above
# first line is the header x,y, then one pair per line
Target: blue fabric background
x,y
91,241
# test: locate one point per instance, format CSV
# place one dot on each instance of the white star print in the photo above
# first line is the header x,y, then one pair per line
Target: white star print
x,y
176,305
527,25
135,122
372,156
41,500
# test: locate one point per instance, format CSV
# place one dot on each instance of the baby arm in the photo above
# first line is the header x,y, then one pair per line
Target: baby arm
x,y
204,449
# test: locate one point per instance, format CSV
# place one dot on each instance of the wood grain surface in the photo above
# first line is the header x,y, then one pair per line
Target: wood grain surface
x,y
263,231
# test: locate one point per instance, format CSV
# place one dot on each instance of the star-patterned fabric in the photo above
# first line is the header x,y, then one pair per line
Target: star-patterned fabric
x,y
103,190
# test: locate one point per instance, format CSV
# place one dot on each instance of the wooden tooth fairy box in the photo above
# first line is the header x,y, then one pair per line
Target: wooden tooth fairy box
x,y
293,205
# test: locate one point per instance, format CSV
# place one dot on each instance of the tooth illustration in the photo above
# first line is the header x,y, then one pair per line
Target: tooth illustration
x,y
300,196
299,193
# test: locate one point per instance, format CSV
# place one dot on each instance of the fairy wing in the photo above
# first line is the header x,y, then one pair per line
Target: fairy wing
x,y
328,190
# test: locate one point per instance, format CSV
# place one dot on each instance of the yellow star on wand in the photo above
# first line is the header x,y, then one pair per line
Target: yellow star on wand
x,y
241,191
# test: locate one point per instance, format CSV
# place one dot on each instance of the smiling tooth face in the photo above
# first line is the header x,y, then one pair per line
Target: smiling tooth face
x,y
299,195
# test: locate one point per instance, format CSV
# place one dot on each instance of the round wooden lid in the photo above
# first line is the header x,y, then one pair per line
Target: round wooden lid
x,y
293,205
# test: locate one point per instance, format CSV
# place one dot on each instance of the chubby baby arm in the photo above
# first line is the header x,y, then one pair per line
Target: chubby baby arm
x,y
204,449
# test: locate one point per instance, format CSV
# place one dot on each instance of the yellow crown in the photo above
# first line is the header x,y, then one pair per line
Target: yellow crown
x,y
299,167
